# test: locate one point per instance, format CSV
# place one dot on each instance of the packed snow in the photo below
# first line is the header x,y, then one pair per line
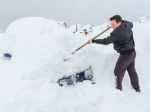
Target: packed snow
x,y
39,46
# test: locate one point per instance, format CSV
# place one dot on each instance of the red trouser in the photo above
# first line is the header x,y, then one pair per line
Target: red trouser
x,y
126,62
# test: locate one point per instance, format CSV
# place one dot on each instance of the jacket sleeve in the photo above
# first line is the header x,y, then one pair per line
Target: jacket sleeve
x,y
110,39
129,24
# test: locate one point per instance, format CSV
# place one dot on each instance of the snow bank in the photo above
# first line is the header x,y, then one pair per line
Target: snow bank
x,y
39,45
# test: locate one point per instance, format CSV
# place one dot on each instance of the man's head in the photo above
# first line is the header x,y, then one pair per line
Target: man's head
x,y
115,21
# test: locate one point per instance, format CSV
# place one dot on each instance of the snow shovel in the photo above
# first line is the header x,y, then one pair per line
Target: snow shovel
x,y
88,41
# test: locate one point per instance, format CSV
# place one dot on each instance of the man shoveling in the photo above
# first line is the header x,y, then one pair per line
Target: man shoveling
x,y
123,41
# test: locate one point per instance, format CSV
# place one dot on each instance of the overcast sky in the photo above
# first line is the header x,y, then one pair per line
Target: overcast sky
x,y
73,11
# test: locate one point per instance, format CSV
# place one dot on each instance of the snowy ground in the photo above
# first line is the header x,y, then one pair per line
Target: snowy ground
x,y
38,47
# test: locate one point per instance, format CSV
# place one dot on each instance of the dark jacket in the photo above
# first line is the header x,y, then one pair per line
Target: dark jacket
x,y
122,38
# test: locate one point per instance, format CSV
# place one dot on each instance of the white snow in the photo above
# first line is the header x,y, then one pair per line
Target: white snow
x,y
38,47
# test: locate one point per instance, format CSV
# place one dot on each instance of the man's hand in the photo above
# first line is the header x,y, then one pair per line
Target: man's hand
x,y
90,42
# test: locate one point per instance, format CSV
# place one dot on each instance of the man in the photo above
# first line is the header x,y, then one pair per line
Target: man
x,y
123,41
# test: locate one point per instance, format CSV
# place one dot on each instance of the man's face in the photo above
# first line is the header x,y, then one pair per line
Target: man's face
x,y
114,24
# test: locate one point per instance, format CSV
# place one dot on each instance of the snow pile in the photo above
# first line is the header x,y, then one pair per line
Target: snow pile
x,y
38,47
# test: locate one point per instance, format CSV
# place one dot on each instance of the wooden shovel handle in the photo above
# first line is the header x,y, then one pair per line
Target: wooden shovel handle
x,y
91,39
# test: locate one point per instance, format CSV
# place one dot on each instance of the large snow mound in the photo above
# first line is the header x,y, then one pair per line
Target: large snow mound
x,y
38,47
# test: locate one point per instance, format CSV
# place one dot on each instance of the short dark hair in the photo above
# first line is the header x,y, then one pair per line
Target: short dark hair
x,y
118,18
